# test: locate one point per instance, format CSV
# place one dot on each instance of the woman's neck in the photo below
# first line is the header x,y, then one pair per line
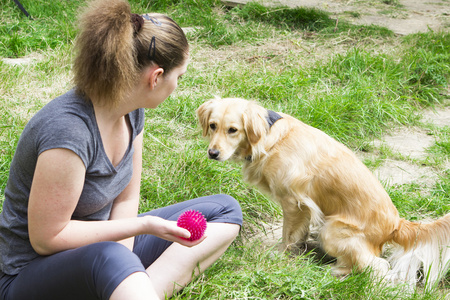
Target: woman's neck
x,y
115,131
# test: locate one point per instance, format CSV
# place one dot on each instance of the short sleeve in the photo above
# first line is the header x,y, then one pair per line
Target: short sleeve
x,y
67,132
137,120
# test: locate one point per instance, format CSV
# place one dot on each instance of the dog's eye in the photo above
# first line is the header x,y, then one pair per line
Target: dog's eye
x,y
212,126
232,130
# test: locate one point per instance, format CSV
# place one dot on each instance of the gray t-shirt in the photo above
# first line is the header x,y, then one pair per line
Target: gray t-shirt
x,y
66,122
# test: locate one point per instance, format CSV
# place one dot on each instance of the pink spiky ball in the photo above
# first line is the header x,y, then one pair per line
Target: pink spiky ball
x,y
194,222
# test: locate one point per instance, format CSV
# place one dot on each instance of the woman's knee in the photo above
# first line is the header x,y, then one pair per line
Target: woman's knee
x,y
230,211
230,202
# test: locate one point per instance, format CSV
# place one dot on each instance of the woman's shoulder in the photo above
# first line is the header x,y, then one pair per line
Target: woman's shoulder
x,y
68,110
71,102
65,122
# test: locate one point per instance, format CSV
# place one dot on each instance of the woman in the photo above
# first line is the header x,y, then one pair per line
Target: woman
x,y
69,227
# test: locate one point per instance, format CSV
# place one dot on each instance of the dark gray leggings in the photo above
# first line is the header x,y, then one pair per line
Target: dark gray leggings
x,y
94,271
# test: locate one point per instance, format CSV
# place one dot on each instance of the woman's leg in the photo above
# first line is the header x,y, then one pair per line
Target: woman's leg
x,y
89,272
137,286
175,267
171,266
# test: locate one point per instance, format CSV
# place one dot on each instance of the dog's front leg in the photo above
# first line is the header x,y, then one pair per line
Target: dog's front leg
x,y
296,221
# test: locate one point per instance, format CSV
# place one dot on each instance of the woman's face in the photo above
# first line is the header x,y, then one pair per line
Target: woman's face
x,y
166,84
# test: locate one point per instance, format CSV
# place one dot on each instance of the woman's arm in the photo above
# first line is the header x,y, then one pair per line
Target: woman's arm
x,y
126,204
56,188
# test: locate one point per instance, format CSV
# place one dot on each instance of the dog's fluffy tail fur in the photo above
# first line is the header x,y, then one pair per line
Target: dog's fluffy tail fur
x,y
422,244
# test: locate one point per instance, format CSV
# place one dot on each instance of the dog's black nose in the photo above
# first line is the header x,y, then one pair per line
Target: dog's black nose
x,y
213,153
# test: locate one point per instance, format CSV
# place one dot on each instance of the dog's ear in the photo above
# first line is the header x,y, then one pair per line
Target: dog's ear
x,y
255,124
203,112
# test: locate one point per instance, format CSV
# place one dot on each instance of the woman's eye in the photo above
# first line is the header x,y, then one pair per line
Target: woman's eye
x,y
212,126
232,130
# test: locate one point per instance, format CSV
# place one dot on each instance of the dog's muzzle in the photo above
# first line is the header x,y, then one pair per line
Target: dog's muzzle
x,y
213,153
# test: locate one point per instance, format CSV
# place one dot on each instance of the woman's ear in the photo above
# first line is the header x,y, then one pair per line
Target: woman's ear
x,y
155,75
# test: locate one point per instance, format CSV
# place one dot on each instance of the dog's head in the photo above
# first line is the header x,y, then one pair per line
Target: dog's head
x,y
235,128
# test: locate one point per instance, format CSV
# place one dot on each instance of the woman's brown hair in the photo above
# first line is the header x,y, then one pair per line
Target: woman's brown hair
x,y
113,46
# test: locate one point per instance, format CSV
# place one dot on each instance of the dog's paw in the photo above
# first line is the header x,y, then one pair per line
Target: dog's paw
x,y
380,267
298,248
340,271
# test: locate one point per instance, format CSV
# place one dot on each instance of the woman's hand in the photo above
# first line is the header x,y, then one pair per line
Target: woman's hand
x,y
168,230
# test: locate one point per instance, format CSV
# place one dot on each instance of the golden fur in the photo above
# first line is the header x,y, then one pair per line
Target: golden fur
x,y
319,181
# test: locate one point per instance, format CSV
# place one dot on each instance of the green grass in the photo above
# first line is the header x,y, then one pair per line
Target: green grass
x,y
52,26
353,82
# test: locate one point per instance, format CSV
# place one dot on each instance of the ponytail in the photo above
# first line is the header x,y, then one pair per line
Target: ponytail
x,y
105,67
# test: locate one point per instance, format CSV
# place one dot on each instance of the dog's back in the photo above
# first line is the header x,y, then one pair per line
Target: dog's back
x,y
303,163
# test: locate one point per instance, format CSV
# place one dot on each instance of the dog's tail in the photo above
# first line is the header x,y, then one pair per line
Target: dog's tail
x,y
424,245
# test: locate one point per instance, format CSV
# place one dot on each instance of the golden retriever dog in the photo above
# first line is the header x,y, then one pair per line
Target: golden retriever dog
x,y
319,181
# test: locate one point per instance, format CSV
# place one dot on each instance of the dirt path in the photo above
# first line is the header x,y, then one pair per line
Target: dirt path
x,y
400,16
411,145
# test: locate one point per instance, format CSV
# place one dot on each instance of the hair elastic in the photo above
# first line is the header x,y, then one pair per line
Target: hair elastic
x,y
137,21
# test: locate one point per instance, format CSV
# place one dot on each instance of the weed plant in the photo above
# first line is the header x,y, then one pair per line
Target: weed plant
x,y
353,82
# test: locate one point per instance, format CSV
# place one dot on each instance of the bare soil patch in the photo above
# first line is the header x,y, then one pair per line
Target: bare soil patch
x,y
411,145
400,16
